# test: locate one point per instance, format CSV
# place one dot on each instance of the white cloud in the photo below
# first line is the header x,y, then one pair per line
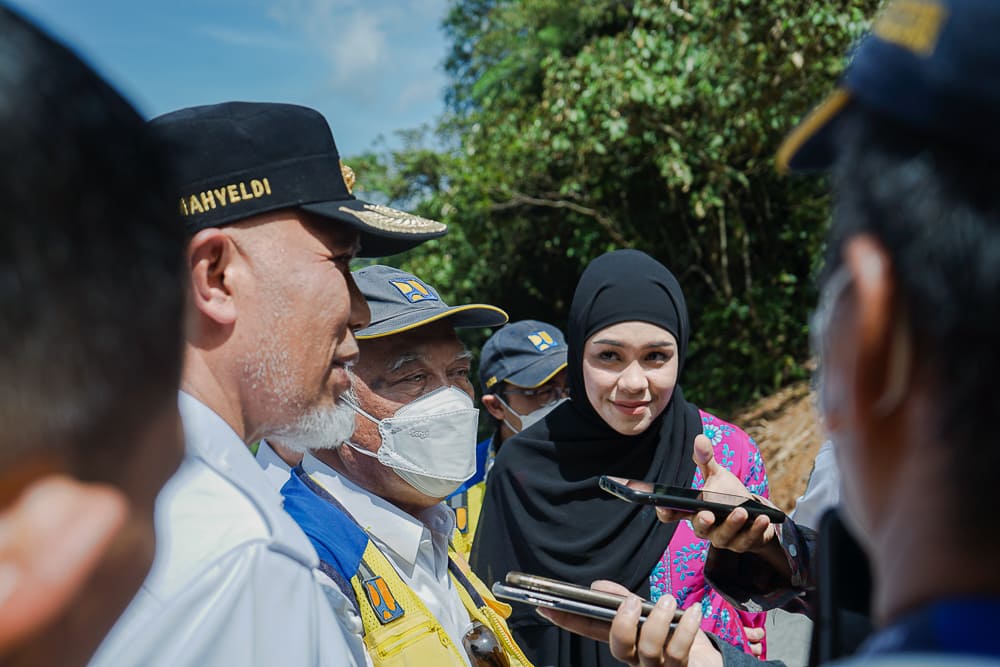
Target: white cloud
x,y
357,48
383,55
351,36
420,91
245,38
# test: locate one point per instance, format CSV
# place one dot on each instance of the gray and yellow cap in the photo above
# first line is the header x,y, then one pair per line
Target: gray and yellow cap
x,y
399,301
526,354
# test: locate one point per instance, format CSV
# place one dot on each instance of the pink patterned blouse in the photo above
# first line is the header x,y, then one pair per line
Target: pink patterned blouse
x,y
680,571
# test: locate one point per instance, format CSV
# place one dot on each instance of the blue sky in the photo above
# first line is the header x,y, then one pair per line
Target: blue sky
x,y
370,67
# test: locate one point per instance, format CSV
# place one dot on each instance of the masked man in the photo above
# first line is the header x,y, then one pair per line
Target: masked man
x,y
522,371
372,505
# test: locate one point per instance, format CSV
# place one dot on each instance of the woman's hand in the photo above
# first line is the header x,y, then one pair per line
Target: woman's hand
x,y
652,644
736,533
755,640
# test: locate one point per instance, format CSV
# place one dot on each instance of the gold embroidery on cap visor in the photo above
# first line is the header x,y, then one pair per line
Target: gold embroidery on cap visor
x,y
349,177
390,220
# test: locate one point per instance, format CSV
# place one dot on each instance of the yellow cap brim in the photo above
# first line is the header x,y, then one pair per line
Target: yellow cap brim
x,y
501,318
544,380
811,126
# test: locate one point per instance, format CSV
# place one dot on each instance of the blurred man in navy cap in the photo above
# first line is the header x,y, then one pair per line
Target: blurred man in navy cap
x,y
522,372
371,503
906,332
272,228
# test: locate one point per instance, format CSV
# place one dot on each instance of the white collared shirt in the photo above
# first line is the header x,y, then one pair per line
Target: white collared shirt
x,y
822,491
273,465
416,547
233,582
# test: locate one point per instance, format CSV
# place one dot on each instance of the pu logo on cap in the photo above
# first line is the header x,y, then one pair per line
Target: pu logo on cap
x,y
541,340
414,290
911,24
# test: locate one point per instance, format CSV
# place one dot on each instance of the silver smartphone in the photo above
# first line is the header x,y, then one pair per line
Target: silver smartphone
x,y
564,596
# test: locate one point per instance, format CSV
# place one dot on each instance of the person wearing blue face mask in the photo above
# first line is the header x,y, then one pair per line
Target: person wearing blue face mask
x,y
371,502
522,371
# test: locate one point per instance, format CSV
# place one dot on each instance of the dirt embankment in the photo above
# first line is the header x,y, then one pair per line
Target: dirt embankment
x,y
786,429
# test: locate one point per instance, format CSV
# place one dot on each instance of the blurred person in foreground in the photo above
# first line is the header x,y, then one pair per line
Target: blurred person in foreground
x,y
906,329
91,312
371,503
522,372
272,229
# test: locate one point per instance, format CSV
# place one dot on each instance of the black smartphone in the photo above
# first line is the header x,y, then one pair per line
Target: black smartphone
x,y
686,500
842,611
564,596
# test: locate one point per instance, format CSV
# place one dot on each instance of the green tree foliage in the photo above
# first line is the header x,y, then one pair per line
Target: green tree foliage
x,y
577,128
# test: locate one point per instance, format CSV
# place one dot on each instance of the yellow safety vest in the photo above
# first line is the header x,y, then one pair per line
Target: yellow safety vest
x,y
467,505
399,629
401,632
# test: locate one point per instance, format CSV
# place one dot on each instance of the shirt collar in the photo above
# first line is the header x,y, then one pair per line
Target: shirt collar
x,y
397,530
273,466
209,438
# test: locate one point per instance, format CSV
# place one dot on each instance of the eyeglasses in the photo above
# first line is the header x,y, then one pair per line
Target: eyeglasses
x,y
483,647
819,326
545,394
819,331
819,323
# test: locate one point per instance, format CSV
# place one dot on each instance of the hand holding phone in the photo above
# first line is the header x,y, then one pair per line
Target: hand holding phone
x,y
686,499
670,634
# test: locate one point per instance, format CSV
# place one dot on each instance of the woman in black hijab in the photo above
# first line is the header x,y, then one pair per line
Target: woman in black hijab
x,y
545,514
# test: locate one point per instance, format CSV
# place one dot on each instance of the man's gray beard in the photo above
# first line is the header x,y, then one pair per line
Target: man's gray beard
x,y
320,428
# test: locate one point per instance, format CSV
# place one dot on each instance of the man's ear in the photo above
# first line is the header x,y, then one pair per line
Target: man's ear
x,y
51,540
493,406
880,335
210,257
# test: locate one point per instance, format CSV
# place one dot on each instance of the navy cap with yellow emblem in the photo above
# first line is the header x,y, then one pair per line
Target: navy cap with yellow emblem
x,y
931,65
240,159
399,301
526,354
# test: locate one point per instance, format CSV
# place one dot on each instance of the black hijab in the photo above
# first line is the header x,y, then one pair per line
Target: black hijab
x,y
544,513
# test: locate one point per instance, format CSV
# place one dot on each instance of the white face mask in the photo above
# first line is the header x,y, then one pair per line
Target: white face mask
x,y
533,416
429,442
832,393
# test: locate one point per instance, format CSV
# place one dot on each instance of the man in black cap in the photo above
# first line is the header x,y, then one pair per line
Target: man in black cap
x,y
522,372
273,227
906,331
371,503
